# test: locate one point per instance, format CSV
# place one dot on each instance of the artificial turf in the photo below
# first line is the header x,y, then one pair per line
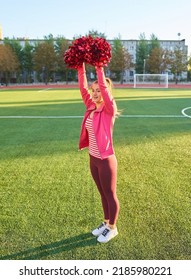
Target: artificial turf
x,y
49,203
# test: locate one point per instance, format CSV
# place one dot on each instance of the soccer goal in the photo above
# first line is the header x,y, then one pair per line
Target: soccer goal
x,y
150,80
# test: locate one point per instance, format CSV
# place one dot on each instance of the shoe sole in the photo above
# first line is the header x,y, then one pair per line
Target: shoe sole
x,y
105,241
97,235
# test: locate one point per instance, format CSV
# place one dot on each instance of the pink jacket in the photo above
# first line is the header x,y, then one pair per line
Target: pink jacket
x,y
104,116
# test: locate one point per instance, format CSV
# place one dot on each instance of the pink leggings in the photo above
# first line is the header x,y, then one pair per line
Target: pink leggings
x,y
104,173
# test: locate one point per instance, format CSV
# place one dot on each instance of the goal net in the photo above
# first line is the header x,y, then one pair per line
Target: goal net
x,y
150,80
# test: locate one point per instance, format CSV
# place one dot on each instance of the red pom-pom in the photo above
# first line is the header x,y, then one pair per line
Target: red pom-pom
x,y
74,56
100,52
96,52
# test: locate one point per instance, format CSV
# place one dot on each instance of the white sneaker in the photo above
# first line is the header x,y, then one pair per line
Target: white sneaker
x,y
107,234
99,230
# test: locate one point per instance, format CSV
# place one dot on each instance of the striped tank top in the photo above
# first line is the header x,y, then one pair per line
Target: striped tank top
x,y
93,148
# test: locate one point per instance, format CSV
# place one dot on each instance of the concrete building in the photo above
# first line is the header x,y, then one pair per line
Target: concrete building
x,y
170,45
131,47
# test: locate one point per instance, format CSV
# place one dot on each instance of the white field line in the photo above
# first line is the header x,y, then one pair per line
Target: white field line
x,y
77,117
184,110
40,117
151,116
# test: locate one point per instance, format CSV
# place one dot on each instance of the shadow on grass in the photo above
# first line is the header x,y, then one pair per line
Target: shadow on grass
x,y
82,240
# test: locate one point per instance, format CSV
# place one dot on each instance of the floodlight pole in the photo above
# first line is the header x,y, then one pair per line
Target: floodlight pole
x,y
144,64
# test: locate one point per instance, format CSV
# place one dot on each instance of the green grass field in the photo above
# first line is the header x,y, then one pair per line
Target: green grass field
x,y
49,203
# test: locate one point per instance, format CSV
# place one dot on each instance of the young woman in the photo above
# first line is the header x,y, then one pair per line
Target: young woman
x,y
96,134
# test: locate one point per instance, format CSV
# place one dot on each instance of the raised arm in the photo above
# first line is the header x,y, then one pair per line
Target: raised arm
x,y
83,85
109,101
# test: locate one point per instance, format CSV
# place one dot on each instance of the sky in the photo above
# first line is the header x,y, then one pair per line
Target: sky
x,y
34,19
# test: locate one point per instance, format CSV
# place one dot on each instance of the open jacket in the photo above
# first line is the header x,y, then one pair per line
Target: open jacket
x,y
104,116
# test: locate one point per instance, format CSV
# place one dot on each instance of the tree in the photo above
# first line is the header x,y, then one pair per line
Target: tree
x,y
8,62
61,45
178,63
142,54
121,60
49,38
28,63
95,33
17,50
45,60
153,43
157,62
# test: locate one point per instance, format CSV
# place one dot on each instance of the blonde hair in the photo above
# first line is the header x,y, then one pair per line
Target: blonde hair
x,y
110,83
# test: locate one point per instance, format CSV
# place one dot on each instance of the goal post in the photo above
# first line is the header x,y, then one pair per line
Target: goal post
x,y
150,80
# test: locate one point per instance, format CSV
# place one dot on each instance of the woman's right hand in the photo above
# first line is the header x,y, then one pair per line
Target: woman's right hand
x,y
81,66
